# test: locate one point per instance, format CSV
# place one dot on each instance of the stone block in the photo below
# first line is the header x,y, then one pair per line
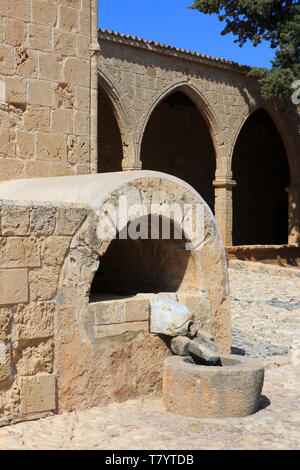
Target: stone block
x,y
54,250
39,37
136,310
5,362
83,46
16,9
15,221
37,393
19,252
7,143
14,31
7,59
107,312
76,71
26,63
50,147
6,316
81,98
25,144
104,331
64,96
37,118
43,220
68,19
78,149
44,13
69,220
34,321
11,169
13,286
40,93
32,359
81,123
15,90
50,66
62,121
43,283
64,43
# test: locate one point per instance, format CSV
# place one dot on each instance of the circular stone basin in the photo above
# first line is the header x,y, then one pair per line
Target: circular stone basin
x,y
230,390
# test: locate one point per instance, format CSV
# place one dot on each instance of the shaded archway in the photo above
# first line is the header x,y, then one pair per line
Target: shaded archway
x,y
177,141
143,265
110,152
260,168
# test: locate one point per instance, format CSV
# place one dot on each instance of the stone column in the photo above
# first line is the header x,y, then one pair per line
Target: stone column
x,y
131,160
223,207
294,215
94,51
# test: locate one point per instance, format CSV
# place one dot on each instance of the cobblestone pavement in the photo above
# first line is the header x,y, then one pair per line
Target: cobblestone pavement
x,y
265,307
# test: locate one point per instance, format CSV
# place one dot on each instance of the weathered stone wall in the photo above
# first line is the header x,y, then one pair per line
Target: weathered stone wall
x,y
34,242
45,87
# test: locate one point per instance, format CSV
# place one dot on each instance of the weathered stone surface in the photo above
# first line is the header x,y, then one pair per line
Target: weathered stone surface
x,y
5,363
19,252
34,321
13,286
37,393
198,304
136,310
43,283
180,345
6,315
169,318
43,221
203,349
25,144
33,359
54,249
68,220
232,390
104,331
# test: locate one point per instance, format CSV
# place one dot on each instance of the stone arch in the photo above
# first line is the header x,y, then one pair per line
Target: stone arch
x,y
195,95
262,169
121,108
283,130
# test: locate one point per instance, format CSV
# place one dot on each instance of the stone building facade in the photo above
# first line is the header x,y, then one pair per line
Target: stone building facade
x,y
60,75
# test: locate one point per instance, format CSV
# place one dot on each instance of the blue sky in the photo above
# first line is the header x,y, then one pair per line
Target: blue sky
x,y
170,22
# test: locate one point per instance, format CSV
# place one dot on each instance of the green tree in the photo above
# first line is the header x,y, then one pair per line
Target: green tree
x,y
275,21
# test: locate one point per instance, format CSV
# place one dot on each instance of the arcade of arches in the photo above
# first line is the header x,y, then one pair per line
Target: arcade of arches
x,y
177,140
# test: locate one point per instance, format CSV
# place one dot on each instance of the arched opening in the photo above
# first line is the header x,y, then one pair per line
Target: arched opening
x,y
110,152
144,265
260,168
177,141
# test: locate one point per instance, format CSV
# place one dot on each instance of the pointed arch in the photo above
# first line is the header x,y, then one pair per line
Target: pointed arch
x,y
262,170
178,140
195,95
282,129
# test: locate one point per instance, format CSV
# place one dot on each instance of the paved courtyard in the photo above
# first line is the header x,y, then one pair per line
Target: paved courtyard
x,y
265,302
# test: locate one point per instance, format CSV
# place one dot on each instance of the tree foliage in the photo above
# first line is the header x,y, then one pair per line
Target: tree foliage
x,y
275,21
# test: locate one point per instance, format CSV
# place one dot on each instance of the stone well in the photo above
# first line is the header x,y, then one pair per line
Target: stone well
x,y
74,318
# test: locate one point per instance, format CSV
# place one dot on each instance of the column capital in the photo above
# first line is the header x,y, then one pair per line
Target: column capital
x,y
224,182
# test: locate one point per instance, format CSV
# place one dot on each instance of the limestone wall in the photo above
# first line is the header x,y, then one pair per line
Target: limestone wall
x,y
33,245
45,82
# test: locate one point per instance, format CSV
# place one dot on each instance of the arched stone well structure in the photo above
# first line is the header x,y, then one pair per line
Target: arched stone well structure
x,y
86,351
